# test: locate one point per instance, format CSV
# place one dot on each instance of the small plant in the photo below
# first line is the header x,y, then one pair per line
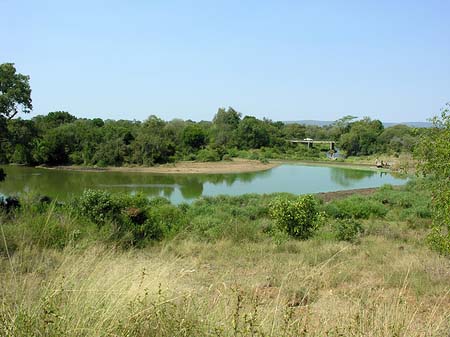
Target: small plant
x,y
207,155
98,206
298,217
439,241
348,230
357,207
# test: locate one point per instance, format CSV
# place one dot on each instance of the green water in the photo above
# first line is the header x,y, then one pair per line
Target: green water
x,y
293,178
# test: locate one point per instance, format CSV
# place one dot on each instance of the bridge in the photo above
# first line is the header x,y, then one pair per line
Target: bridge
x,y
311,142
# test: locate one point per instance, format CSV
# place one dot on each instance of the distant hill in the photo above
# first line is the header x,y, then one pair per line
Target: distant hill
x,y
386,124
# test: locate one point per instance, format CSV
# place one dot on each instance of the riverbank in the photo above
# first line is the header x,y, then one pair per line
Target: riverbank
x,y
233,166
220,265
236,165
330,196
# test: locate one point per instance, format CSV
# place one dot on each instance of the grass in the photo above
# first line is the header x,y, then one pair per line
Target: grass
x,y
225,275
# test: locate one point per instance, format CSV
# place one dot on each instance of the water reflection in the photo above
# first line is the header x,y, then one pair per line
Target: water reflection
x,y
61,184
285,178
346,177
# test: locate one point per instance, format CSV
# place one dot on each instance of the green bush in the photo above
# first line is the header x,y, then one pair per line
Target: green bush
x,y
207,155
357,207
167,217
439,240
298,217
98,206
348,229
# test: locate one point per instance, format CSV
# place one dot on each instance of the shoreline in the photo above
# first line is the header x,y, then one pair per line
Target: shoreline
x,y
186,167
237,165
330,196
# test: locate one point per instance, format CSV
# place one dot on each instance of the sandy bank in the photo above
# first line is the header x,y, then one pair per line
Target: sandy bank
x,y
234,166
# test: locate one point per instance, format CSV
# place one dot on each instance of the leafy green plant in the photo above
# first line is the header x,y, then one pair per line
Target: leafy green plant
x,y
357,207
434,154
207,155
98,206
348,229
298,217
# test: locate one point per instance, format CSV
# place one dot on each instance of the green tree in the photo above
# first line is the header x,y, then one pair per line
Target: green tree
x,y
194,137
398,138
341,126
225,124
434,154
362,137
153,145
252,133
22,135
15,92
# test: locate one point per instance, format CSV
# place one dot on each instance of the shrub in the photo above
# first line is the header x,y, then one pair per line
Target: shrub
x,y
297,217
439,240
226,157
167,217
98,206
207,155
348,230
357,207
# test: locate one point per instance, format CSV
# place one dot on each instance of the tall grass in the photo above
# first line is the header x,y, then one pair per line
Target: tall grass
x,y
103,292
219,272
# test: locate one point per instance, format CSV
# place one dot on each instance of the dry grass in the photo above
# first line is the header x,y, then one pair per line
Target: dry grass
x,y
379,287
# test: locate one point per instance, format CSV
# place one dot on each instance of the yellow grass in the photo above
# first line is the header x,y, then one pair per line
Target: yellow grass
x,y
314,288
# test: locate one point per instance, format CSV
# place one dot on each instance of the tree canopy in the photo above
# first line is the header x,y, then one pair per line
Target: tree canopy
x,y
15,91
434,153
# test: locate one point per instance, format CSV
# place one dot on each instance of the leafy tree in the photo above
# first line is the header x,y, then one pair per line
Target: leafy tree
x,y
225,124
252,133
15,92
194,136
341,126
56,146
434,154
53,120
362,137
295,131
152,145
21,139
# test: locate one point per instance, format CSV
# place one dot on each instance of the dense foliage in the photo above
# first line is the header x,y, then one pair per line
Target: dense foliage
x,y
15,92
60,138
434,152
220,272
136,221
298,217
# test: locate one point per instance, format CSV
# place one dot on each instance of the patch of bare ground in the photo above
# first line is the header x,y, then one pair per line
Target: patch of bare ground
x,y
233,166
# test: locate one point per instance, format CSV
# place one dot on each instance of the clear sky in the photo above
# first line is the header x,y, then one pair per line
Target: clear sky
x,y
285,60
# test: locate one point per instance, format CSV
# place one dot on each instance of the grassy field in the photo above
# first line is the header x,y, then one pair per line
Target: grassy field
x,y
225,273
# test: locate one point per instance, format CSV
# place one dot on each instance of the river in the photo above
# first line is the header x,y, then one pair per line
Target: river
x,y
293,178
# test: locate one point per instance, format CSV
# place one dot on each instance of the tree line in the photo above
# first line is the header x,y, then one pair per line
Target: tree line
x,y
60,138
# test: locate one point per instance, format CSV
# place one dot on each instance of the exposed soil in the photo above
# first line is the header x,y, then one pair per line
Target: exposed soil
x,y
329,196
233,166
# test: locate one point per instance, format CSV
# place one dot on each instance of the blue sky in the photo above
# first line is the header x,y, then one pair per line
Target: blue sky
x,y
285,60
